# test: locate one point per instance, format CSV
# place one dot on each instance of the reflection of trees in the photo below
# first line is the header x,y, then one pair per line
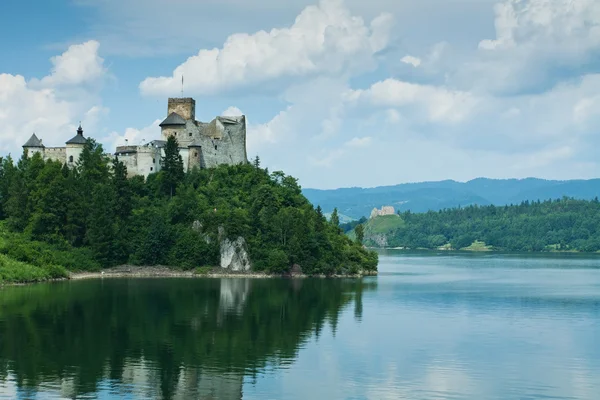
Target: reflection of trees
x,y
199,337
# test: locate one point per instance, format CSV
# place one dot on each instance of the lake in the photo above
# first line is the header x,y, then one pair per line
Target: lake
x,y
447,326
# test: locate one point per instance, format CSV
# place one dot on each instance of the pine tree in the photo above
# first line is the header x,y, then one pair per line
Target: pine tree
x,y
360,233
172,167
100,234
335,219
122,190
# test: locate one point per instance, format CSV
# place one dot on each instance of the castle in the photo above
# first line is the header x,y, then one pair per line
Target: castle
x,y
201,145
385,210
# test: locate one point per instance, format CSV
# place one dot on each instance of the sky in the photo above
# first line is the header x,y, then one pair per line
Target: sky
x,y
338,93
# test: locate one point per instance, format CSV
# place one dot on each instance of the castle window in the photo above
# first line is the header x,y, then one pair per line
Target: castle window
x,y
71,159
195,154
154,161
151,169
190,134
215,146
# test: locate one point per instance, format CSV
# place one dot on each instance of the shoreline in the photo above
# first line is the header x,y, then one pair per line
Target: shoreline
x,y
128,272
166,272
498,251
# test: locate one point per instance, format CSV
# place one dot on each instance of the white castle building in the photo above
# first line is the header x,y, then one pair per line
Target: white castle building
x,y
202,145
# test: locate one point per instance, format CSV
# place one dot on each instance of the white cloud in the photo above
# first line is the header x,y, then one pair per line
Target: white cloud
x,y
232,112
43,107
133,136
437,103
324,39
80,64
411,60
538,43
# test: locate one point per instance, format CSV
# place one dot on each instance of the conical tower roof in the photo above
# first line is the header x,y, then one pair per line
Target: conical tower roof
x,y
33,142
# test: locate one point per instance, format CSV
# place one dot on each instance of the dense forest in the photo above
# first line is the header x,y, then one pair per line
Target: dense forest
x,y
564,225
93,216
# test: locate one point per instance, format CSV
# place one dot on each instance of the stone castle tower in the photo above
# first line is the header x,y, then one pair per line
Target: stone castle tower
x,y
201,144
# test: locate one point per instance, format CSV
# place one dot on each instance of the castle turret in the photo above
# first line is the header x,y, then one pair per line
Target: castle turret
x,y
75,147
34,145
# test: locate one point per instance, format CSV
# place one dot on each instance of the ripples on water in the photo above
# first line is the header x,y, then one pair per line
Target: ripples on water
x,y
428,327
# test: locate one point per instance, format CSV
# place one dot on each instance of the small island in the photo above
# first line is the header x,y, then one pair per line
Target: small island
x,y
60,217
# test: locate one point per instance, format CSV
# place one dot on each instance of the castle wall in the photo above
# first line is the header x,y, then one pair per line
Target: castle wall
x,y
148,162
31,151
139,160
129,159
227,145
56,154
185,156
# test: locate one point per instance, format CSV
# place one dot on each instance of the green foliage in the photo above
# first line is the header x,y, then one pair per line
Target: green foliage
x,y
335,218
553,225
203,270
348,226
383,224
359,231
172,218
12,271
21,248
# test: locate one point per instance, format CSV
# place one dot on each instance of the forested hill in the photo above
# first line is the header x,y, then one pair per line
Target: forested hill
x,y
171,218
422,197
565,225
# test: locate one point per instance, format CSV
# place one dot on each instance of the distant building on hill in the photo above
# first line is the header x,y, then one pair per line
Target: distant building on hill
x,y
385,210
201,144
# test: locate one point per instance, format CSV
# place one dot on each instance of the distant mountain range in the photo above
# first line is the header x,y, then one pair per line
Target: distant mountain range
x,y
422,197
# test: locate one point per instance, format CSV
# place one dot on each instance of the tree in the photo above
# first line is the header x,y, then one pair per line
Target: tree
x,y
100,235
335,219
360,233
172,167
122,190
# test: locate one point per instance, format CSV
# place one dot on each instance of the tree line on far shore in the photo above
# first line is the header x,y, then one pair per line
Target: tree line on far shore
x,y
533,226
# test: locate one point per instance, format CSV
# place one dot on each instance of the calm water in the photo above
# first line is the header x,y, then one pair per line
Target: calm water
x,y
428,327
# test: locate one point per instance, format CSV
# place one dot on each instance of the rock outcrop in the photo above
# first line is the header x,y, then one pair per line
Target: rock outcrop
x,y
234,253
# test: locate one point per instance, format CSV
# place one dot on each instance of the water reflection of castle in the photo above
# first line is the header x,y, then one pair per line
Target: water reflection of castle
x,y
173,339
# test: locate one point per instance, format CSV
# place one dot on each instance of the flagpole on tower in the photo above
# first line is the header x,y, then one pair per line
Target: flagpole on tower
x,y
181,85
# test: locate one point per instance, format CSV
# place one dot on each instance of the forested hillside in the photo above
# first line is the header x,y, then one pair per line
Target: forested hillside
x,y
565,225
171,218
434,196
